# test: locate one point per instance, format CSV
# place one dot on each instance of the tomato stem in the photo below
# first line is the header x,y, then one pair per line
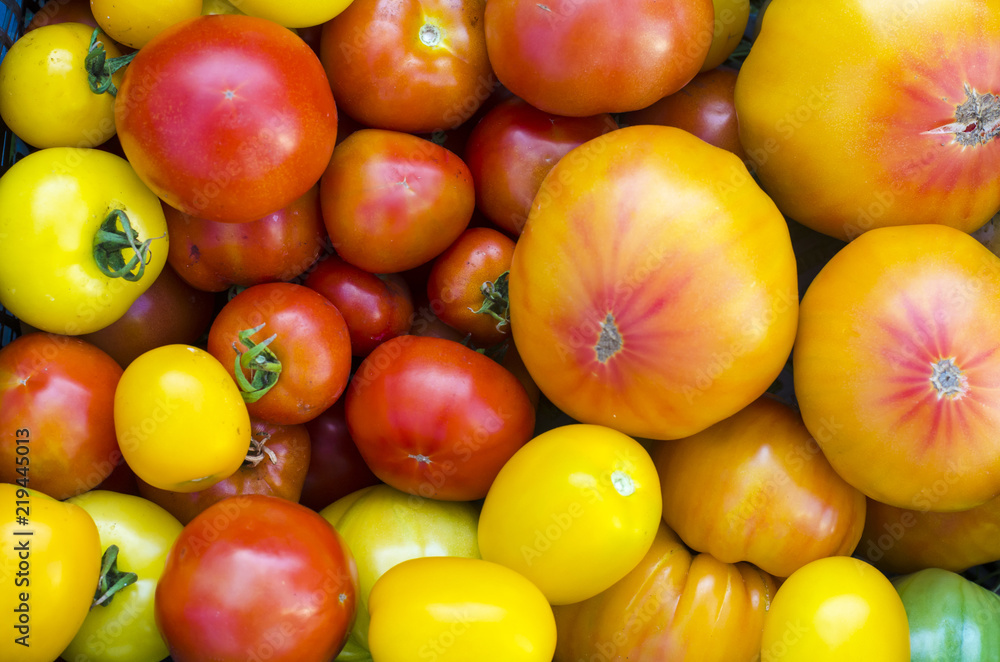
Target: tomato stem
x,y
112,580
109,242
260,361
496,302
258,450
100,69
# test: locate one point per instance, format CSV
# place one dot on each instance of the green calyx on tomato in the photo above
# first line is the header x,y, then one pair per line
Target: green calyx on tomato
x,y
100,68
260,361
112,579
496,302
109,242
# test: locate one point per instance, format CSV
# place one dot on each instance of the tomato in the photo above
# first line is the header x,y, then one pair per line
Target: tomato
x,y
835,609
896,369
435,418
275,465
336,467
45,96
414,66
513,147
950,618
768,496
135,22
731,18
299,14
574,511
83,238
291,347
675,606
257,577
209,7
392,201
51,560
384,527
123,629
56,413
212,256
453,609
63,11
636,52
180,420
375,307
653,289
266,123
918,128
703,107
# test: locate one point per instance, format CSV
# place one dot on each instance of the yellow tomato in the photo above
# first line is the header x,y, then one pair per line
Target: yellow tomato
x,y
212,7
574,510
298,14
180,419
49,566
456,610
135,22
731,18
833,610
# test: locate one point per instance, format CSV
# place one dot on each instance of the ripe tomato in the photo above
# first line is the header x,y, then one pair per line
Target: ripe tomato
x,y
265,126
731,18
300,14
434,418
64,11
393,201
135,22
336,467
291,347
573,511
896,367
257,577
635,52
653,289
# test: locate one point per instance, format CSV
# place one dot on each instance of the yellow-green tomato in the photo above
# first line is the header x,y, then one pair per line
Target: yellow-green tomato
x,y
62,239
574,510
457,610
212,7
299,14
135,22
50,560
123,628
45,96
181,422
731,18
383,527
836,609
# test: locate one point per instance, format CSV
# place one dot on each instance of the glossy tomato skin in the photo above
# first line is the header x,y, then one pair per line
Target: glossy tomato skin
x,y
731,18
336,467
375,307
266,126
135,23
636,52
212,256
312,344
257,575
414,66
393,201
57,401
437,419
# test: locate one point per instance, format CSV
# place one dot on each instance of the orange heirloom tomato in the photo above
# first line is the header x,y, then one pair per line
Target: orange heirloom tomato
x,y
897,366
890,118
675,606
653,289
768,496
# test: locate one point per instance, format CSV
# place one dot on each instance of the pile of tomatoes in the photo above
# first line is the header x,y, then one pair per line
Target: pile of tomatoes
x,y
514,331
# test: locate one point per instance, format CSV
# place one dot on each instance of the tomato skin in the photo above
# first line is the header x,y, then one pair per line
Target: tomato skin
x,y
437,419
135,22
248,153
68,11
276,581
336,467
297,15
731,18
57,393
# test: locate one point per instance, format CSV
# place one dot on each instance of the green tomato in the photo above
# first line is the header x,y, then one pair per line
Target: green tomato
x,y
951,619
384,527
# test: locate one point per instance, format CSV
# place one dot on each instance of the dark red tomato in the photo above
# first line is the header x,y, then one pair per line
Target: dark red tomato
x,y
275,465
513,362
428,325
122,480
57,431
468,285
227,117
63,11
408,65
634,52
703,107
434,418
375,308
257,577
336,467
299,373
392,201
211,256
512,149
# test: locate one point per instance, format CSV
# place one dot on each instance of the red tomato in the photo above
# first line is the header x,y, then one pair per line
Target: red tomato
x,y
336,467
437,419
408,65
56,414
375,308
63,11
257,577
311,347
227,117
392,201
212,256
511,150
635,52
